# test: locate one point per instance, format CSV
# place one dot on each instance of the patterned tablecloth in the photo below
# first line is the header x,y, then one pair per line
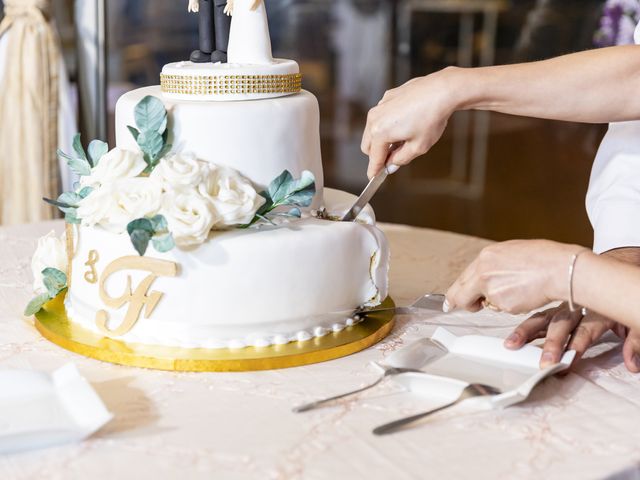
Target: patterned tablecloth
x,y
239,425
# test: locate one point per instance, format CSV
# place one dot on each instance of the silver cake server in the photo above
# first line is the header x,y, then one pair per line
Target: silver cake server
x,y
472,390
429,301
410,359
366,195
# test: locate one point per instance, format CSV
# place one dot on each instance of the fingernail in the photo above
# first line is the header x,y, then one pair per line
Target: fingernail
x,y
547,359
391,169
513,339
446,308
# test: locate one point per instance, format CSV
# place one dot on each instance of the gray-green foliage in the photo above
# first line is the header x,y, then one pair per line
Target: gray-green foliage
x,y
55,281
68,203
81,162
154,230
151,132
285,190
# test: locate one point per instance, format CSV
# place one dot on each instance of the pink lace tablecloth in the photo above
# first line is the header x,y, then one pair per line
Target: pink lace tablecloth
x,y
239,425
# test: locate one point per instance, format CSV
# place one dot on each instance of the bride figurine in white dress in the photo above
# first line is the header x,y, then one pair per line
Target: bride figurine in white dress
x,y
249,40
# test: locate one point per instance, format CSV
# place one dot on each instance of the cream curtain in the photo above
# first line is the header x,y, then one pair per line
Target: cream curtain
x,y
29,103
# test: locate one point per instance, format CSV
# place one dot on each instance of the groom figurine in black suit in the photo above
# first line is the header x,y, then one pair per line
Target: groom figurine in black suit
x,y
213,26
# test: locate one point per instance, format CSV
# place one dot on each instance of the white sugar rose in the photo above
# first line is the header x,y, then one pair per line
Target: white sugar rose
x,y
115,165
232,195
180,170
190,216
50,253
115,204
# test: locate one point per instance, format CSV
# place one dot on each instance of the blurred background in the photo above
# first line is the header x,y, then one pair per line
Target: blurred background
x,y
492,175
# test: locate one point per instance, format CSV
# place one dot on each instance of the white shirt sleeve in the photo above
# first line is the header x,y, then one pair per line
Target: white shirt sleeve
x,y
613,199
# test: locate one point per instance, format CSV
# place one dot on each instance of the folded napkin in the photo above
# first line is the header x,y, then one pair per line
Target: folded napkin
x,y
39,410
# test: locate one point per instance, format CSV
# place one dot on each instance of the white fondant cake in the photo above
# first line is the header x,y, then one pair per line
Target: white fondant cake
x,y
198,229
257,287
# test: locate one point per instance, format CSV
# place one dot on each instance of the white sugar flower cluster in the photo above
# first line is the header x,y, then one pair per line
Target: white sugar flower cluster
x,y
194,196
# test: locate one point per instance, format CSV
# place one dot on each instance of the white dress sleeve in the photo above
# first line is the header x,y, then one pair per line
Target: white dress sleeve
x,y
613,199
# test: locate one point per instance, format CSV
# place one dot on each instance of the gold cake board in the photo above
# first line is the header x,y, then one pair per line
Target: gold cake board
x,y
53,324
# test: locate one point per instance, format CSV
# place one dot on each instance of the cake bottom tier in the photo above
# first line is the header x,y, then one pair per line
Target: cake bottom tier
x,y
258,287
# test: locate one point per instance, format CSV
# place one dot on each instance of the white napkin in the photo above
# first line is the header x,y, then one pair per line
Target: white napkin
x,y
39,410
479,359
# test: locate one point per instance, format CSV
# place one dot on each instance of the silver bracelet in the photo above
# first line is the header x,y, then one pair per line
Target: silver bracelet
x,y
572,267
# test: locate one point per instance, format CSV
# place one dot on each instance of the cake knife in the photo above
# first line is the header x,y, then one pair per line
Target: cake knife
x,y
366,195
372,187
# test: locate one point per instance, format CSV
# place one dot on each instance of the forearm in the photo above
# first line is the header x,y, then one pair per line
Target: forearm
x,y
609,287
595,86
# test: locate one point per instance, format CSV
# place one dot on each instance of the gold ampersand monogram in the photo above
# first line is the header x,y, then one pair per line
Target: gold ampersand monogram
x,y
138,298
91,275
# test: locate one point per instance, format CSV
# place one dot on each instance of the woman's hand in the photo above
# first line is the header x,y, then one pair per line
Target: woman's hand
x,y
411,117
565,330
562,330
228,8
193,6
515,277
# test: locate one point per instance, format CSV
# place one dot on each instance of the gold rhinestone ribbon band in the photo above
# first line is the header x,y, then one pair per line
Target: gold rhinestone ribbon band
x,y
230,84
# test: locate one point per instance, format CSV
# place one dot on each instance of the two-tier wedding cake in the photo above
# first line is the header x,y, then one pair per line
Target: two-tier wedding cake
x,y
208,226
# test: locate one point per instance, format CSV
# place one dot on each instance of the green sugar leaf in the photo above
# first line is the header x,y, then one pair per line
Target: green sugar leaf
x,y
78,148
159,224
295,212
151,144
97,149
84,192
143,224
56,203
163,243
140,240
54,281
70,198
166,149
302,191
36,304
279,187
150,115
78,165
285,190
71,217
134,132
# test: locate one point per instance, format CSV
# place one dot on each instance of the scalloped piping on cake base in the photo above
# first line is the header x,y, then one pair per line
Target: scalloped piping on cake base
x,y
236,343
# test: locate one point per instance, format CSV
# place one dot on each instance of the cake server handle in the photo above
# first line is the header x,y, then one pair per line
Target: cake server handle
x,y
388,371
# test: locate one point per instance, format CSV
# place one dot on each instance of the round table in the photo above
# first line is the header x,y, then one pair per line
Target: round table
x,y
239,425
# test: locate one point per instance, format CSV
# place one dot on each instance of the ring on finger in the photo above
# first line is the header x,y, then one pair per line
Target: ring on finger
x,y
486,303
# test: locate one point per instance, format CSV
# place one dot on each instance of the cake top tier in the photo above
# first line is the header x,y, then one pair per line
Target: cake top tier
x,y
234,59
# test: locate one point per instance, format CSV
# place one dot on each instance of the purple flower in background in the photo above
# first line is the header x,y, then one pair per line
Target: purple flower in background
x,y
618,23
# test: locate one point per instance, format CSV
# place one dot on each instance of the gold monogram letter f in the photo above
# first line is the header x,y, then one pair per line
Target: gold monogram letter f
x,y
137,299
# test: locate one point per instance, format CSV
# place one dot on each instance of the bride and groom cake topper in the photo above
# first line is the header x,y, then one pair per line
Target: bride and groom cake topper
x,y
243,39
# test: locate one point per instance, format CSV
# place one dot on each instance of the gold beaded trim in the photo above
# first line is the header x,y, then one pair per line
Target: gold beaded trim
x,y
230,84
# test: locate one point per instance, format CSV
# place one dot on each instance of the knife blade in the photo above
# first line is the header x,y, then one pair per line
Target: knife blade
x,y
366,196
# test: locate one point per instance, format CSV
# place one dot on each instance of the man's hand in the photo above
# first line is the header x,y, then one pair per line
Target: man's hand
x,y
193,6
566,330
